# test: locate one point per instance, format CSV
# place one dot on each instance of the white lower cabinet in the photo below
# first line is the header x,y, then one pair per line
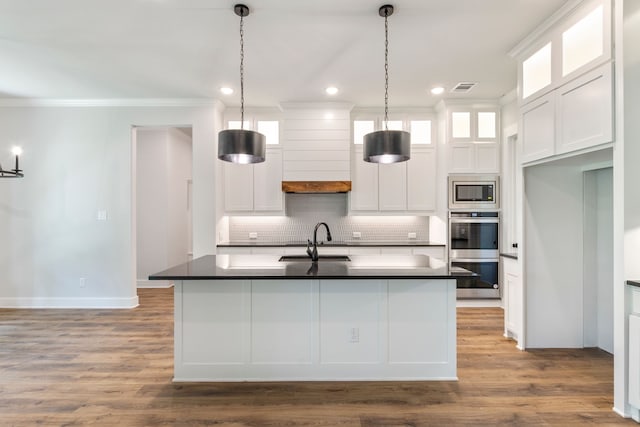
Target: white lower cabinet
x,y
513,303
395,188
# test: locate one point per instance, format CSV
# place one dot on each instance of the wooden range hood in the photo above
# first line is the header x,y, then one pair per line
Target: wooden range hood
x,y
316,186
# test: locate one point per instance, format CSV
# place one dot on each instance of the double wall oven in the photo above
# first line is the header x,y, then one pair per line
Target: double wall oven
x,y
474,227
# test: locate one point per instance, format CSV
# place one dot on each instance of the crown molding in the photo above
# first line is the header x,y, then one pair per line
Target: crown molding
x,y
112,102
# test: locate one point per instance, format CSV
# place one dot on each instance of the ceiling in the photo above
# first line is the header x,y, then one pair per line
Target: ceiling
x,y
293,49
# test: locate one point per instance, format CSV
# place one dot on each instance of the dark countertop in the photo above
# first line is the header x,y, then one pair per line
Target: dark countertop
x,y
223,267
633,283
409,243
512,255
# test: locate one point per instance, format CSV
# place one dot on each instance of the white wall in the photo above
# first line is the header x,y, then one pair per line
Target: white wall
x,y
626,189
77,161
163,169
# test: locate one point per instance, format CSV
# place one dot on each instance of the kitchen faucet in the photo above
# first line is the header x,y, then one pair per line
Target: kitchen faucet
x,y
313,253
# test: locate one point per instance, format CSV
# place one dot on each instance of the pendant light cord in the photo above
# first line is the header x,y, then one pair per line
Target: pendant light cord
x,y
386,70
241,71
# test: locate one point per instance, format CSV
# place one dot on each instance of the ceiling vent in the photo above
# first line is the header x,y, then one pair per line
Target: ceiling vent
x,y
463,87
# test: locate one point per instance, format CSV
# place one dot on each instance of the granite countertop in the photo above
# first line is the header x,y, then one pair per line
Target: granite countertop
x,y
238,267
512,255
633,283
410,243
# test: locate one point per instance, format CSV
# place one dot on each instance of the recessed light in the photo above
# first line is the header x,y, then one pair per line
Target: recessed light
x,y
331,90
438,90
226,90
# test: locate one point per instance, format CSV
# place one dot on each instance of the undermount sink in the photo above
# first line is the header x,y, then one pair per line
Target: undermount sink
x,y
320,258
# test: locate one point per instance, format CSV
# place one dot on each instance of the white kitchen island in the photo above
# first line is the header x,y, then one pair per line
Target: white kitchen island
x,y
253,318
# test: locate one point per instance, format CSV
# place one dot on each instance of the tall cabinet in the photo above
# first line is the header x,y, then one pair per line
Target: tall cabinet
x,y
566,109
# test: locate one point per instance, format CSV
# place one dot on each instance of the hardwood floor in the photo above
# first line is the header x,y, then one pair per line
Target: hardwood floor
x,y
114,368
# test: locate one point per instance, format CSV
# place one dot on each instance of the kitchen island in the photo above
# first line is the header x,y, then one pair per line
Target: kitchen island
x,y
259,318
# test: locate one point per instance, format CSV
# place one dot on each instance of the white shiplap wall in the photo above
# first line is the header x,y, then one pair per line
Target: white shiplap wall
x,y
316,142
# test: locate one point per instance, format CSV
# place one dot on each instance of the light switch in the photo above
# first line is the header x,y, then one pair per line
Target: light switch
x,y
102,215
253,235
412,235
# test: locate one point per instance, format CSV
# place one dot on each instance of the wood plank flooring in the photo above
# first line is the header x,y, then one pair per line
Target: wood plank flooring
x,y
114,368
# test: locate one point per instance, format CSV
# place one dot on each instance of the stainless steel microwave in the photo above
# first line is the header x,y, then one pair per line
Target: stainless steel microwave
x,y
474,192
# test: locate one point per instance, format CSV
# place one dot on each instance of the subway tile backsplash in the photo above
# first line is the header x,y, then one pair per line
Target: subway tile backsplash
x,y
304,211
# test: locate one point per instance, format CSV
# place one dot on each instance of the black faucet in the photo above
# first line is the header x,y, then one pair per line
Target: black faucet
x,y
313,253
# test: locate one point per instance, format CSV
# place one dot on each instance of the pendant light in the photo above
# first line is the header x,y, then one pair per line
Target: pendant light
x,y
386,146
15,172
240,145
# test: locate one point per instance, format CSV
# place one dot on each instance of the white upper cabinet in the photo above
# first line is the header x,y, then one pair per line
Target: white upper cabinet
x,y
400,187
472,142
584,111
578,42
566,84
473,124
256,187
537,127
364,183
536,71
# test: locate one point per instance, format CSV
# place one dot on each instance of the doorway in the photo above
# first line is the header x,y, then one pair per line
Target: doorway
x,y
162,177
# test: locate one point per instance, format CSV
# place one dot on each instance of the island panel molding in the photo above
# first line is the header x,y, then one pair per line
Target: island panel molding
x,y
373,317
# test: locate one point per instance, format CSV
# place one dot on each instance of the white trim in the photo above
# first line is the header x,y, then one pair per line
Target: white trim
x,y
69,302
142,283
112,102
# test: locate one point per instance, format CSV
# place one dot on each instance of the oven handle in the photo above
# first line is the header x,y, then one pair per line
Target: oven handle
x,y
474,260
474,220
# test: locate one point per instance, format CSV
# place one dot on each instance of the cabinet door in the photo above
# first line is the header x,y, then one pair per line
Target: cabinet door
x,y
538,129
421,180
461,157
392,182
364,191
267,182
584,109
487,158
238,187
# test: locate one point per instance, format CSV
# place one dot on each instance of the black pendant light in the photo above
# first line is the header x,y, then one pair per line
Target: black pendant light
x,y
386,146
240,145
15,172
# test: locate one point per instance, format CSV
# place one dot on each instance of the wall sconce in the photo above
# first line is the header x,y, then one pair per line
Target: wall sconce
x,y
15,172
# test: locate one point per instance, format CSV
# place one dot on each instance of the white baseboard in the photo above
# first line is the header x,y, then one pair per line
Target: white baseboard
x,y
70,302
154,283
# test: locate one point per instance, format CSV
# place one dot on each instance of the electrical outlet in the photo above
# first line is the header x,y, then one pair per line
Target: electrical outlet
x,y
353,335
82,282
253,235
102,215
356,234
412,235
